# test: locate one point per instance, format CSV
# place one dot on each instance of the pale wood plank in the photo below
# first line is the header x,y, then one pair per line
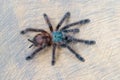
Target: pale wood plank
x,y
102,59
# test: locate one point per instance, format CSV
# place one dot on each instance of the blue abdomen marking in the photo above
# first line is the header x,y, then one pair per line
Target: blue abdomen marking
x,y
57,36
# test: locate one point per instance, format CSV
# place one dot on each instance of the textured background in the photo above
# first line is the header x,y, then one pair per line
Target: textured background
x,y
102,59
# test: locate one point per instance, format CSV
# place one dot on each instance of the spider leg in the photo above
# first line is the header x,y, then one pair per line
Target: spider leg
x,y
88,42
75,53
48,22
34,53
53,54
31,45
75,23
71,30
32,41
31,30
62,20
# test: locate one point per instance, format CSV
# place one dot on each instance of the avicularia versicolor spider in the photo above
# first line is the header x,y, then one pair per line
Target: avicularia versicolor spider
x,y
59,37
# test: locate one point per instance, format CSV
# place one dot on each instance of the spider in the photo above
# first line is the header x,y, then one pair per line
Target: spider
x,y
57,37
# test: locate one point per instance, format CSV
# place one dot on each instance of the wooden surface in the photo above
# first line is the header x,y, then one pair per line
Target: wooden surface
x,y
102,60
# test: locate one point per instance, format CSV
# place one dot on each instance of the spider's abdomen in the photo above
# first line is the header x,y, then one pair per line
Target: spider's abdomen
x,y
57,36
43,38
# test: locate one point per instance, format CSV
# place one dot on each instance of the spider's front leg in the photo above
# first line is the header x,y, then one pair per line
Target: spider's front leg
x,y
31,30
48,22
34,53
67,15
81,22
53,54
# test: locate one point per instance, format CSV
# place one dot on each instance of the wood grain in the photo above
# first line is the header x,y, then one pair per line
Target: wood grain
x,y
102,60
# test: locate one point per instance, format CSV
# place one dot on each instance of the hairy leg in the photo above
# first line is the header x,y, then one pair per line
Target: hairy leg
x,y
88,42
75,53
31,30
34,53
81,22
53,54
62,20
48,22
34,43
71,30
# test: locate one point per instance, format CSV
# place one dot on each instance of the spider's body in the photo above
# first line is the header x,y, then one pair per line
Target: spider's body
x,y
42,39
57,37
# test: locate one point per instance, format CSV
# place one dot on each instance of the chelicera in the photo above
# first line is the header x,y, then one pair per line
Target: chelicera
x,y
57,37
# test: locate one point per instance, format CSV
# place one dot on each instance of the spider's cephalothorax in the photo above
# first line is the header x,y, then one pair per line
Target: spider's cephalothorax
x,y
57,37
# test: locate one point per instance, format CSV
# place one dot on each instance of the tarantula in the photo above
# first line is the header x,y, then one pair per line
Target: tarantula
x,y
59,37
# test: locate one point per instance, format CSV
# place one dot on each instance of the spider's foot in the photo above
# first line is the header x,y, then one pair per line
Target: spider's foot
x,y
85,21
29,57
68,14
80,58
22,32
45,15
76,30
90,42
53,63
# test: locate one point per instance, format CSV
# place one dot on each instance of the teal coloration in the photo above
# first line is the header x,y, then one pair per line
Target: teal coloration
x,y
57,36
